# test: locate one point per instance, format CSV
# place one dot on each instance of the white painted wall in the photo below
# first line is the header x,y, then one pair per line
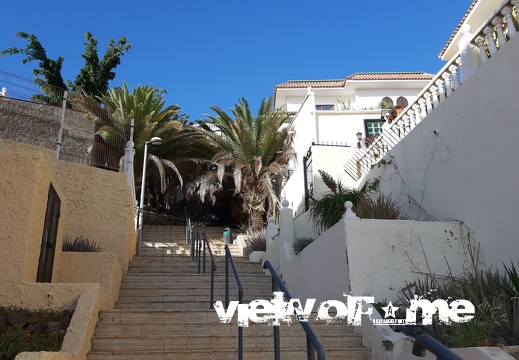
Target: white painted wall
x,y
328,158
386,255
469,170
375,258
320,270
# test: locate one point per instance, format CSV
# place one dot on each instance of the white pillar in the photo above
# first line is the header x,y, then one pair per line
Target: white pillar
x,y
349,214
489,33
498,26
507,13
310,100
286,234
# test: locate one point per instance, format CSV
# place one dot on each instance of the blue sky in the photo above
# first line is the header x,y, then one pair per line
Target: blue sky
x,y
207,53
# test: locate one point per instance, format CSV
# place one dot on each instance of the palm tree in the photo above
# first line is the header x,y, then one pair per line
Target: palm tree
x,y
112,114
252,152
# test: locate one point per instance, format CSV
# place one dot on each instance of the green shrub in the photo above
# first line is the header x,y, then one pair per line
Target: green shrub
x,y
496,302
300,244
381,207
329,209
81,244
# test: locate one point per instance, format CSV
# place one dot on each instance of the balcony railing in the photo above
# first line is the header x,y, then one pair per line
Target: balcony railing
x,y
499,28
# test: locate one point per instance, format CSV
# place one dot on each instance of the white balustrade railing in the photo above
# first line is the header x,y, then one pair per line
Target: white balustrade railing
x,y
499,28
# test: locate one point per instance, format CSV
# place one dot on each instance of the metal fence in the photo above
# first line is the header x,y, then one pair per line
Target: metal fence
x,y
51,118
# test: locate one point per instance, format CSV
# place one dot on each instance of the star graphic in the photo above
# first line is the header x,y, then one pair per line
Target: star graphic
x,y
389,311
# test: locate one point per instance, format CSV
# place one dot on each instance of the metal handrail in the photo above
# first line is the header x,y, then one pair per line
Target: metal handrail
x,y
426,342
213,269
228,259
312,342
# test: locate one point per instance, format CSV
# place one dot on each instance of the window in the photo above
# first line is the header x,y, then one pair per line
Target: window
x,y
324,107
402,101
386,103
373,127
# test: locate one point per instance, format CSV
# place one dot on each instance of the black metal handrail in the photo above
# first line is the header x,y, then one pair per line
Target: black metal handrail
x,y
426,342
198,250
312,342
213,269
229,259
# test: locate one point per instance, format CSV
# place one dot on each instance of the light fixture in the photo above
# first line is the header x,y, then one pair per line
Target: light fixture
x,y
155,141
359,137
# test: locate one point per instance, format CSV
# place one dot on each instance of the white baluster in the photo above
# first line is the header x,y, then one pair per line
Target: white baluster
x,y
428,102
412,119
489,33
401,128
407,123
416,109
448,86
423,110
441,91
454,77
480,42
434,92
498,26
460,71
507,13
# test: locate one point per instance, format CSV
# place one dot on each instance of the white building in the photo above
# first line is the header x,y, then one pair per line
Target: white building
x,y
330,115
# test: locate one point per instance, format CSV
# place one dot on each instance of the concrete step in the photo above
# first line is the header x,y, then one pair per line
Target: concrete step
x,y
194,341
331,354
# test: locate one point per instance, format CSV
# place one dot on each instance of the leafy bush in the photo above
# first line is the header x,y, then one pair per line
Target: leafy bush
x,y
329,209
381,207
300,244
81,244
256,239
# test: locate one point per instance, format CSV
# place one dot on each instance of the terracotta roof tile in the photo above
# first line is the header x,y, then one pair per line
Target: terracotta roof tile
x,y
303,84
474,2
391,76
291,84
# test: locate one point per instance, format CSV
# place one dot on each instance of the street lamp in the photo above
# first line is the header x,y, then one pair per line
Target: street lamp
x,y
156,141
359,137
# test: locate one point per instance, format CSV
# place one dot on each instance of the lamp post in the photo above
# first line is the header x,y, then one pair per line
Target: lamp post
x,y
156,141
359,137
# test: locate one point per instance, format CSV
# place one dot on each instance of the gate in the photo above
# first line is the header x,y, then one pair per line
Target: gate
x,y
48,241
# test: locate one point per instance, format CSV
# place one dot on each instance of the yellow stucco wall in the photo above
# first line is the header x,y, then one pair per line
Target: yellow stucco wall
x,y
96,267
24,186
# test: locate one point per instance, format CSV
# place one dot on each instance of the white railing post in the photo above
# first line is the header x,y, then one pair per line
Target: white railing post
x,y
448,83
286,234
441,89
423,110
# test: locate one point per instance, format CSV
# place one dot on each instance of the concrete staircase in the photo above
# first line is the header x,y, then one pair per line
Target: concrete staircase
x,y
163,310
